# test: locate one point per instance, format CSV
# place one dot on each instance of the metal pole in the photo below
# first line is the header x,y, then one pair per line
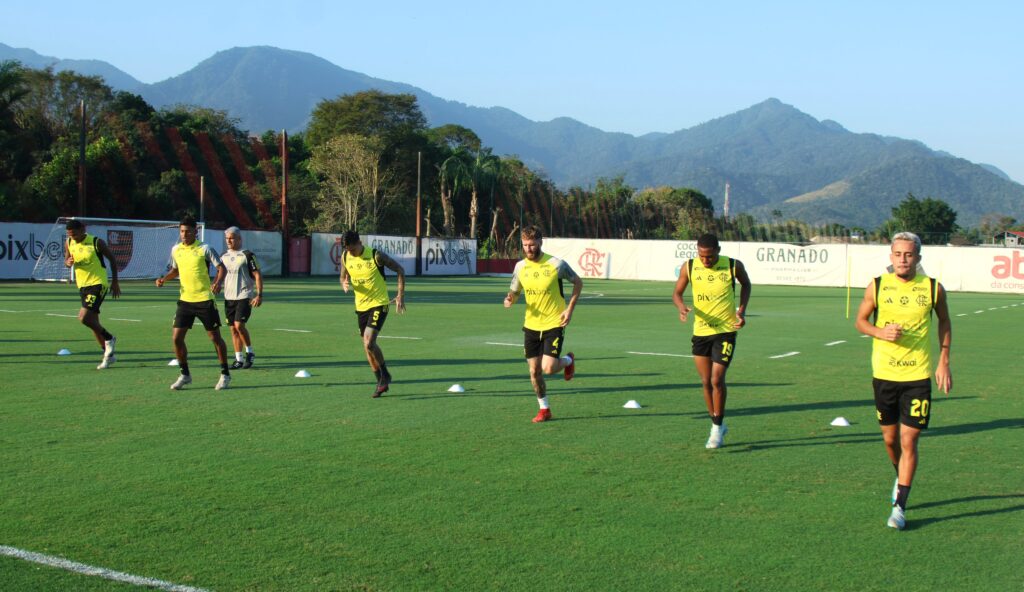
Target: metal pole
x,y
419,214
284,203
81,161
202,199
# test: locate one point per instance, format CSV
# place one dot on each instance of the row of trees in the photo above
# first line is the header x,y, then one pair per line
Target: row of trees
x,y
360,164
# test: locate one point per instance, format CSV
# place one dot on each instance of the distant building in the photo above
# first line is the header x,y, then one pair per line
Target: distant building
x,y
1011,238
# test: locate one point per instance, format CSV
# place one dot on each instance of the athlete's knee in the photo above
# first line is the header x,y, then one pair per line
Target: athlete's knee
x,y
550,365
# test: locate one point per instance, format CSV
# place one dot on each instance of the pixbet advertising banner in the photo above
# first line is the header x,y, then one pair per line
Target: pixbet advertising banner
x,y
21,244
449,256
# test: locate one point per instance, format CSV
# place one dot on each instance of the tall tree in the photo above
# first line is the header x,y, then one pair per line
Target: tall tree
x,y
453,173
355,187
932,219
371,113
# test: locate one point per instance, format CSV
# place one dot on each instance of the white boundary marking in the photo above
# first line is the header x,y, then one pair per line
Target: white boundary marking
x,y
293,330
785,355
978,311
594,295
17,311
831,343
657,354
89,570
508,344
398,337
963,314
129,320
53,314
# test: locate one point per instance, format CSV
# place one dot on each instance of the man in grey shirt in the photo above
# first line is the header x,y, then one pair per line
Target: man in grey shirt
x,y
243,289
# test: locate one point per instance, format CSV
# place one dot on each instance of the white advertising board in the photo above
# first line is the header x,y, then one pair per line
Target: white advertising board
x,y
325,251
449,256
21,244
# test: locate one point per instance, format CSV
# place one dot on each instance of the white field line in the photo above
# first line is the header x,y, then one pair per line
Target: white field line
x,y
831,343
293,330
963,314
397,337
994,308
129,320
17,311
978,311
89,570
593,295
657,354
785,355
1004,307
508,344
53,314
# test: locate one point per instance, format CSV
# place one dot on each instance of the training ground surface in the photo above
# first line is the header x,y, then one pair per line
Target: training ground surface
x,y
284,483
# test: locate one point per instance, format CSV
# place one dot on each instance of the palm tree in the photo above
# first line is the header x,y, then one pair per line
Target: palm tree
x,y
485,169
454,174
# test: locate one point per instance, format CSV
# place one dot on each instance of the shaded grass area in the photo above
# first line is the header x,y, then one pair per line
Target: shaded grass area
x,y
283,483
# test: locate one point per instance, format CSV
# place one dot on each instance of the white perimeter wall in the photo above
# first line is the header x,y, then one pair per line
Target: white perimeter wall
x,y
969,269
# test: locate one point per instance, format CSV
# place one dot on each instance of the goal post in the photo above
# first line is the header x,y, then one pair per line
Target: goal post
x,y
141,248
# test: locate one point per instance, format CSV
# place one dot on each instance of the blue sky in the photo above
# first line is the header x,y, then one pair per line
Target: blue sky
x,y
947,74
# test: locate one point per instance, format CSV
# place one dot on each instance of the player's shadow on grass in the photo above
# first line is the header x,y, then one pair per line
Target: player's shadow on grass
x,y
916,522
798,407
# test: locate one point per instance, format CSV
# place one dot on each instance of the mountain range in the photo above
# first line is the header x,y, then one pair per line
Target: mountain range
x,y
775,158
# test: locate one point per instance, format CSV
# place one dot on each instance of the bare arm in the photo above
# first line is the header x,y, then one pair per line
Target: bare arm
x,y
258,276
160,281
745,289
386,261
577,289
890,332
677,294
343,278
115,287
943,375
218,281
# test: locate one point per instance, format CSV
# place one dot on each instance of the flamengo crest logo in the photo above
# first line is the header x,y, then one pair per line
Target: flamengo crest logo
x,y
592,262
336,250
120,242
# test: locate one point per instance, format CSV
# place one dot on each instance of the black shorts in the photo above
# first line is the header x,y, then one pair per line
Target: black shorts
x,y
92,297
548,343
719,348
909,403
373,318
205,311
237,311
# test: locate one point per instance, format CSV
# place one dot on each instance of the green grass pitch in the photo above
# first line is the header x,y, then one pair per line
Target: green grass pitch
x,y
284,483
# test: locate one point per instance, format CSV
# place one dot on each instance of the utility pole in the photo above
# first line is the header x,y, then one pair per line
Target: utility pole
x,y
419,214
284,203
81,161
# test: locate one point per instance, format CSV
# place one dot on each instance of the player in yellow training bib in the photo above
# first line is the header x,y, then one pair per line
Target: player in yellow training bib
x,y
716,320
540,276
190,263
902,303
92,258
362,269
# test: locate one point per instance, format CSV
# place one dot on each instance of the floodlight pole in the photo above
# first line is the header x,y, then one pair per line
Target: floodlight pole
x,y
284,203
81,161
202,199
419,214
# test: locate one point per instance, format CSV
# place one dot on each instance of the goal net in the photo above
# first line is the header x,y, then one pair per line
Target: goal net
x,y
141,248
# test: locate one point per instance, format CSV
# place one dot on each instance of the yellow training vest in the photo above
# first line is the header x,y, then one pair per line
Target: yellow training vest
x,y
367,279
193,264
714,297
90,265
909,304
542,282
